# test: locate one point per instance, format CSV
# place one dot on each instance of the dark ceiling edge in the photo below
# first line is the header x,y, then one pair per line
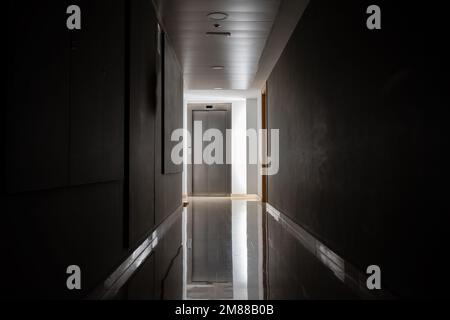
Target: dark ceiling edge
x,y
289,14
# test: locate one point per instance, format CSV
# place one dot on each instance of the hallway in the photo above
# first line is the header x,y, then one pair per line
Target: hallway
x,y
223,150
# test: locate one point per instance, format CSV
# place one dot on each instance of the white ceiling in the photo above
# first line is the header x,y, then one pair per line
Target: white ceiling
x,y
220,95
259,31
249,22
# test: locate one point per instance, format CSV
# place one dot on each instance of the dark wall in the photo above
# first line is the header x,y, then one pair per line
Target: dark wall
x,y
64,138
361,139
172,99
37,128
299,274
168,191
82,138
153,193
97,93
142,117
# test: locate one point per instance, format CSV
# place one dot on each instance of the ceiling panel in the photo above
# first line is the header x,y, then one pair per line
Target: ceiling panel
x,y
249,22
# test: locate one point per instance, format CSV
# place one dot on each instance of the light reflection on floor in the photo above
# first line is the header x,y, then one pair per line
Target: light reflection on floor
x,y
223,249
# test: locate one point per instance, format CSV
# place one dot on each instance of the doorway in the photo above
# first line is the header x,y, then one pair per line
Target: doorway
x,y
213,179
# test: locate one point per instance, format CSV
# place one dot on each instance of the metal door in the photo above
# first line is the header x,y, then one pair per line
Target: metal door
x,y
210,179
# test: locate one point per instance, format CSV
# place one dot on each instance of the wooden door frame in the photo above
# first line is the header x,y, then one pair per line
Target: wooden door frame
x,y
264,196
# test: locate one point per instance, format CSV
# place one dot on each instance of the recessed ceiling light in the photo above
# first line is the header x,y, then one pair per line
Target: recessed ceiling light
x,y
217,16
218,88
218,67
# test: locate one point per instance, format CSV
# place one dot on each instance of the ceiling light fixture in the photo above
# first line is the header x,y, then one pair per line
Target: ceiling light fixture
x,y
225,34
219,16
217,67
218,88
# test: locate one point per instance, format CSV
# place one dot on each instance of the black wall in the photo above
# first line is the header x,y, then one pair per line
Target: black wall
x,y
142,117
81,155
153,194
361,140
168,191
172,98
38,132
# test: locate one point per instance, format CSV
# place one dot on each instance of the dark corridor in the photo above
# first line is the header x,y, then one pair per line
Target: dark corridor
x,y
94,206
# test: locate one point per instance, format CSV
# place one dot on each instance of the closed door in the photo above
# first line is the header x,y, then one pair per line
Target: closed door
x,y
210,179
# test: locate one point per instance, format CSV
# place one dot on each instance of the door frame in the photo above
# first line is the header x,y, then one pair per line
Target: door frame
x,y
191,107
264,125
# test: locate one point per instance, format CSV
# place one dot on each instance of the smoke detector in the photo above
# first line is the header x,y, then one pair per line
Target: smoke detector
x,y
218,16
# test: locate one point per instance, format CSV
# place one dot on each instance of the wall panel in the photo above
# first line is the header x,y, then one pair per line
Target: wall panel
x,y
172,104
65,121
359,142
37,110
142,117
97,93
168,187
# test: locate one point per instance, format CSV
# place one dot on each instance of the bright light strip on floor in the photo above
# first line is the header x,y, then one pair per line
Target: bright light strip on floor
x,y
239,249
185,257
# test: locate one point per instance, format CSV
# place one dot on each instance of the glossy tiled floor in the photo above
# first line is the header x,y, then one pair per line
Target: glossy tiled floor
x,y
222,248
223,256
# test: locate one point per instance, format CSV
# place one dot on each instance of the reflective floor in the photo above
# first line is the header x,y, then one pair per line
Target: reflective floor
x,y
222,248
223,255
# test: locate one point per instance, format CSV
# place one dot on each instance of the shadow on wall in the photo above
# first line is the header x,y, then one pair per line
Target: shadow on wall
x,y
364,138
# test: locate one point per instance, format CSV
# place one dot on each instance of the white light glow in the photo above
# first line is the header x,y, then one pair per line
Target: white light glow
x,y
239,249
239,148
239,126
